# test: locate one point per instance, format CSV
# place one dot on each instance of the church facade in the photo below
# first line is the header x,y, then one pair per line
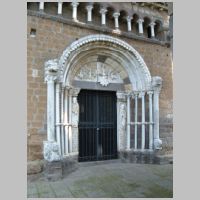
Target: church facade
x,y
99,80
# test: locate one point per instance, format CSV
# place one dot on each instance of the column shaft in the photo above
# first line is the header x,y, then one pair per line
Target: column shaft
x,y
128,122
103,16
66,122
136,118
50,112
89,12
41,6
70,123
58,139
60,8
143,121
129,23
140,26
150,120
74,11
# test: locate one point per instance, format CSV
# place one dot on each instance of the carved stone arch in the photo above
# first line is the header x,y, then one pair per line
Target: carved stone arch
x,y
128,56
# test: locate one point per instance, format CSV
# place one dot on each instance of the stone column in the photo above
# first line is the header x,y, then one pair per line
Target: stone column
x,y
121,121
51,148
74,11
116,17
143,120
156,85
152,24
41,6
60,8
140,26
128,19
66,121
89,12
128,122
150,93
136,117
58,127
103,12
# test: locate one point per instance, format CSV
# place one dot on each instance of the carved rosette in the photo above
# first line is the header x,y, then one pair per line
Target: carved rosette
x,y
51,151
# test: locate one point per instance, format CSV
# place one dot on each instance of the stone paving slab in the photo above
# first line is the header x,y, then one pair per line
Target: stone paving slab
x,y
111,180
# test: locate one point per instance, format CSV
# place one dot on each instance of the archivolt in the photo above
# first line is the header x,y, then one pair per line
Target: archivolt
x,y
130,58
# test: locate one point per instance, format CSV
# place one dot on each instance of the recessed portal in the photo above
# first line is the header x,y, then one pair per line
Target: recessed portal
x,y
97,125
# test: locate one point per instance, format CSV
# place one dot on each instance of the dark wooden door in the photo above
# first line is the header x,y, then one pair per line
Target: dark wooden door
x,y
97,125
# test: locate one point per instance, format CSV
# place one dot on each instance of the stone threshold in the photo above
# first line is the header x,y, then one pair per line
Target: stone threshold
x,y
104,29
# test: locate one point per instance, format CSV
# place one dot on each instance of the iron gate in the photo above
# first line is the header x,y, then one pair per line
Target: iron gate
x,y
97,125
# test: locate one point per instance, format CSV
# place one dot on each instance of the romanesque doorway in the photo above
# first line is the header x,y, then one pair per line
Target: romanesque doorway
x,y
97,125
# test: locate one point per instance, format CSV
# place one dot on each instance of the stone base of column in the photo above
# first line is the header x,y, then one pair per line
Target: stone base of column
x,y
157,144
142,157
57,170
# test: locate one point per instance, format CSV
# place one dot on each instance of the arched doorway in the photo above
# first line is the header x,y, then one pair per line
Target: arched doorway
x,y
101,63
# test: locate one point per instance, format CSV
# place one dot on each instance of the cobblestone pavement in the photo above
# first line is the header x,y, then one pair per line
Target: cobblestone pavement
x,y
111,180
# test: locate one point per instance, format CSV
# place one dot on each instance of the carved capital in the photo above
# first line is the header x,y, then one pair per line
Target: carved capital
x,y
156,83
74,91
51,70
152,24
51,151
129,18
150,93
103,11
74,4
140,21
121,96
89,7
116,15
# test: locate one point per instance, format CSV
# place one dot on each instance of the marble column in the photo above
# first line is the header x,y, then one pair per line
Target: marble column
x,y
66,121
74,11
58,121
140,26
150,93
152,24
89,12
156,84
128,19
51,147
41,6
116,17
128,122
60,8
103,12
143,120
136,118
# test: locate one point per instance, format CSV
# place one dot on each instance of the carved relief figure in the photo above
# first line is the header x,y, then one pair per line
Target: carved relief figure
x,y
75,111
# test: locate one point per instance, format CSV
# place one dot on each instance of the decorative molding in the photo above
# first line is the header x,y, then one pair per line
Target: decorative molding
x,y
104,38
51,151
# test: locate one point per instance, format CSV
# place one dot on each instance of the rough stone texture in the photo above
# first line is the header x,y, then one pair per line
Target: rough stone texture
x,y
144,157
51,39
34,167
56,170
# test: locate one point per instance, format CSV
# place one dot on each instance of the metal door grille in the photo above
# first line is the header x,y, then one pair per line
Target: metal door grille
x,y
97,125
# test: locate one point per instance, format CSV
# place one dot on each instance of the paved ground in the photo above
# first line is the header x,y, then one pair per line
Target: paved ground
x,y
109,180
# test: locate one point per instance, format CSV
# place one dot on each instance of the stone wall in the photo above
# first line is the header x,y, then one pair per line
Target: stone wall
x,y
50,41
